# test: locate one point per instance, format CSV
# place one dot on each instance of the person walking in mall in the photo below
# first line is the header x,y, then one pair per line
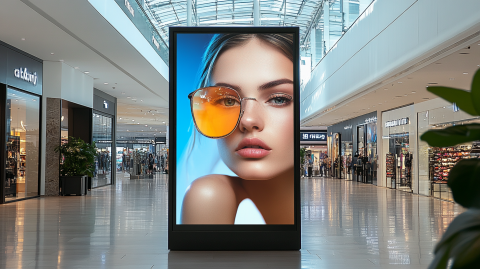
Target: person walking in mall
x,y
151,161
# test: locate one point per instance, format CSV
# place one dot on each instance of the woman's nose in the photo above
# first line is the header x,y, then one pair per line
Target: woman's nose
x,y
252,117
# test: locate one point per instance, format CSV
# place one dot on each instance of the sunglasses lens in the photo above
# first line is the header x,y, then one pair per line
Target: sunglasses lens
x,y
216,111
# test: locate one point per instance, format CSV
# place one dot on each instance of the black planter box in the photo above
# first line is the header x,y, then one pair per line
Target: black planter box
x,y
73,185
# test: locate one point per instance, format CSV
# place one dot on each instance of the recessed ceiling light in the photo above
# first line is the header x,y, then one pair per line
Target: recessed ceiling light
x,y
146,125
127,130
400,82
413,92
61,60
76,67
86,72
385,89
379,103
163,122
141,100
106,83
134,99
23,38
133,120
120,118
138,122
465,73
52,53
128,96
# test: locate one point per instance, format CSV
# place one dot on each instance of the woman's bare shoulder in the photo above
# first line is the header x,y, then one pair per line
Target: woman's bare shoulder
x,y
210,199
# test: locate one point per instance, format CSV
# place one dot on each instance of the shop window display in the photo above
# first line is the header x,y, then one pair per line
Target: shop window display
x,y
102,136
23,138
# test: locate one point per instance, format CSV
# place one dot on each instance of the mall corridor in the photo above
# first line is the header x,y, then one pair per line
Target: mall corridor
x,y
344,225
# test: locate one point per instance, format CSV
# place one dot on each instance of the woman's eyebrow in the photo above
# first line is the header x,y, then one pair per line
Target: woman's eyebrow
x,y
274,83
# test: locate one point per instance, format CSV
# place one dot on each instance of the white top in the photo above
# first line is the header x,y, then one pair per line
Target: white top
x,y
248,213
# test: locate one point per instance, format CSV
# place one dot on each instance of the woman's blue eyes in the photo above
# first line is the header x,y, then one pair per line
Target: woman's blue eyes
x,y
280,100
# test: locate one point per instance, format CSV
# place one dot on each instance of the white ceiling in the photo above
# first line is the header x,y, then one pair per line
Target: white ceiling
x,y
455,70
75,33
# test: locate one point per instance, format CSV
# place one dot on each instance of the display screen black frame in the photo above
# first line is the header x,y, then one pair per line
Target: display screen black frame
x,y
231,237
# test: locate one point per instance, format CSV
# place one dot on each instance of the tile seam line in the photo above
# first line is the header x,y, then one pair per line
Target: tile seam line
x,y
59,25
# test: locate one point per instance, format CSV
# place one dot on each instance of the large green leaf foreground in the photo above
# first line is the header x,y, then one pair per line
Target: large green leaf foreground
x,y
452,136
466,101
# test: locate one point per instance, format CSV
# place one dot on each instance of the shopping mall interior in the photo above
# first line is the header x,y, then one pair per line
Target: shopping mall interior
x,y
369,192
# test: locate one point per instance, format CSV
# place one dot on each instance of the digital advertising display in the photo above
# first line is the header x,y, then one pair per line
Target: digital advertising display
x,y
234,131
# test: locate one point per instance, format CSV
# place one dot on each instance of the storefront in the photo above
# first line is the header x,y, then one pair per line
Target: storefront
x,y
435,163
397,135
106,162
315,143
352,145
21,78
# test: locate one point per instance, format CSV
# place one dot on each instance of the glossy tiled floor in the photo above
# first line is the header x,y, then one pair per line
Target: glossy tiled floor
x,y
345,225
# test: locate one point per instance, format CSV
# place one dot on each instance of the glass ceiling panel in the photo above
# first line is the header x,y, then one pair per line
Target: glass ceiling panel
x,y
165,13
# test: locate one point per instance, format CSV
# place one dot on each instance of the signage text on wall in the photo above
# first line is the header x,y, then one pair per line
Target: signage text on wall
x,y
347,127
370,120
130,8
398,122
313,136
22,73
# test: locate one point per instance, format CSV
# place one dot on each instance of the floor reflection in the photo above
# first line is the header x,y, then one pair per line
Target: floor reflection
x,y
345,224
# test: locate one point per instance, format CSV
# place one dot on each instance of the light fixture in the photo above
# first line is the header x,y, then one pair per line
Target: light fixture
x,y
400,82
76,67
128,97
62,118
86,72
23,38
146,125
52,53
385,89
163,122
465,73
133,120
106,83
413,92
120,118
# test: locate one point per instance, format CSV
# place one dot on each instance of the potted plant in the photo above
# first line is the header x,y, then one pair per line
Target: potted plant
x,y
460,245
78,161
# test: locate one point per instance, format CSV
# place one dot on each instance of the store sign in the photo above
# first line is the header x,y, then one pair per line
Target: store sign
x,y
23,74
398,122
304,136
155,42
105,104
370,120
130,8
348,127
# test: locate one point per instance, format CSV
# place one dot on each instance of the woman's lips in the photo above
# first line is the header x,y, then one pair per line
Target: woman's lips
x,y
253,148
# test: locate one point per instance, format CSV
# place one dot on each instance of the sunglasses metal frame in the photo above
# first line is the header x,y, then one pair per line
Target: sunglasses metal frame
x,y
190,96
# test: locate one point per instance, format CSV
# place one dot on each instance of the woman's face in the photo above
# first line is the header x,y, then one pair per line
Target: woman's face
x,y
261,147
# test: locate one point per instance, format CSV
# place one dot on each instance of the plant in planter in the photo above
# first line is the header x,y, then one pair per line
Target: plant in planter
x,y
78,163
460,245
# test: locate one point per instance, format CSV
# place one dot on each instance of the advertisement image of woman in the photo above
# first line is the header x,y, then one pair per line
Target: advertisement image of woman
x,y
244,101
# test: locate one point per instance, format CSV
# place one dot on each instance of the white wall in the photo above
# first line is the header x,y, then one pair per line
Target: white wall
x,y
62,81
388,38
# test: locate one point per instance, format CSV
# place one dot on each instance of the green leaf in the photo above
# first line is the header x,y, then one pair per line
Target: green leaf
x,y
462,98
475,91
464,183
452,136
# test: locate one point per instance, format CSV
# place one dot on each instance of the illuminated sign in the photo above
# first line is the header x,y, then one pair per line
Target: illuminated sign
x,y
398,122
155,42
316,136
22,73
130,8
370,120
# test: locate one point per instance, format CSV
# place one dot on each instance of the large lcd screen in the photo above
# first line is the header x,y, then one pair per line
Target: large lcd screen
x,y
235,103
